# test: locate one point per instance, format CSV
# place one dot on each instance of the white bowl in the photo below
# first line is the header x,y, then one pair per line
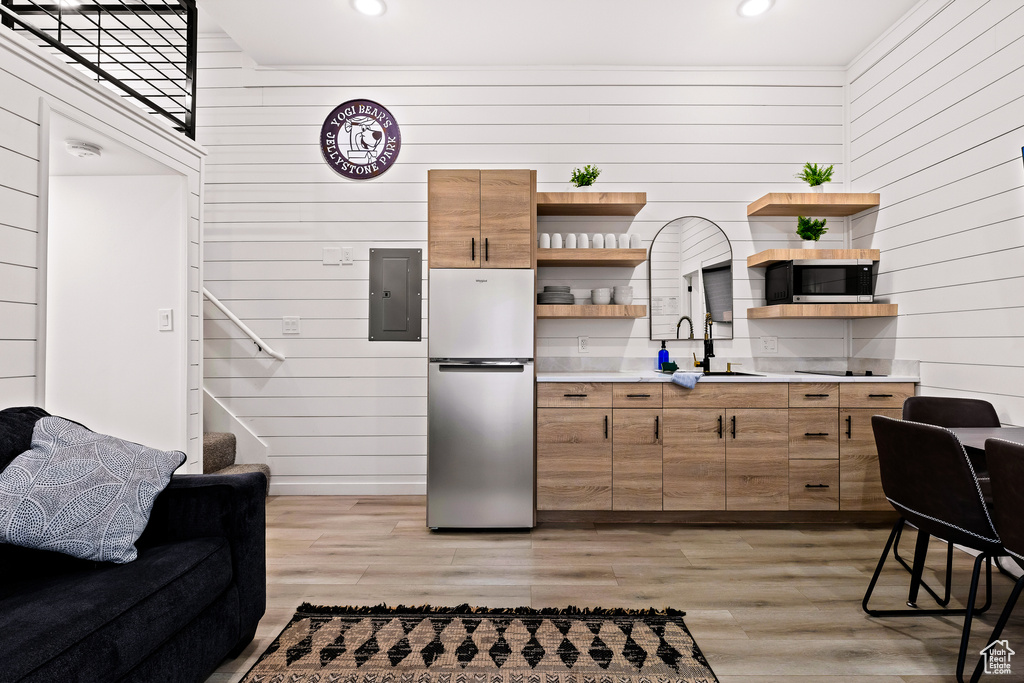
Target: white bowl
x,y
601,297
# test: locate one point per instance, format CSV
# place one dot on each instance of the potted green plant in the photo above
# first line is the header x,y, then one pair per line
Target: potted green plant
x,y
810,230
584,178
815,176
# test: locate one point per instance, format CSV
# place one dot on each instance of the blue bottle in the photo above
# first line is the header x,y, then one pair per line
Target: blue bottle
x,y
662,356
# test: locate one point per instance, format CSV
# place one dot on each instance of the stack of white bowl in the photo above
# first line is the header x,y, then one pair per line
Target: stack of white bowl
x,y
623,295
601,296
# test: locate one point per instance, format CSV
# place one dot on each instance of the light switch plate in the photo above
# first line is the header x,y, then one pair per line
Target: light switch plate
x,y
332,256
769,344
165,320
291,325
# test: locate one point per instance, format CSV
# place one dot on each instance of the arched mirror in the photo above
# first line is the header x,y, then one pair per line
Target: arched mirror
x,y
690,274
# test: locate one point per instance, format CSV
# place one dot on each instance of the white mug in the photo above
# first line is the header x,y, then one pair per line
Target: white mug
x,y
570,240
584,241
623,241
556,240
598,241
609,241
545,240
635,242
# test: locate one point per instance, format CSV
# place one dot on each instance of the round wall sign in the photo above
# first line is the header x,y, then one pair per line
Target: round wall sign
x,y
360,139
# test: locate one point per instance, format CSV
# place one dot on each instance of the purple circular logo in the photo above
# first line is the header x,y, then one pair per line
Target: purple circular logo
x,y
360,139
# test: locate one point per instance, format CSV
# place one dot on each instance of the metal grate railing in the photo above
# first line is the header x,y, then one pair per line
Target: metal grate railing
x,y
143,49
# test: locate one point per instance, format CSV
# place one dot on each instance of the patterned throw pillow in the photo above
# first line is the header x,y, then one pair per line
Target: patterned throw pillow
x,y
81,493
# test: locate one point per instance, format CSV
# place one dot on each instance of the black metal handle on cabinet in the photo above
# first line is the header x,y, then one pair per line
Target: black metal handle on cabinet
x,y
606,426
487,249
879,395
720,426
816,395
816,486
656,435
473,249
638,395
575,395
849,426
734,426
815,433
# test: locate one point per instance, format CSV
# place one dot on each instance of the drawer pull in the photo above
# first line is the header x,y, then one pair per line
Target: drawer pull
x,y
656,435
606,427
575,395
816,486
734,426
472,256
815,433
719,426
879,395
849,426
638,395
816,395
487,249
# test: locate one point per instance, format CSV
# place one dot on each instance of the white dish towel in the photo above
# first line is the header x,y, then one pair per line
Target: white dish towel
x,y
686,379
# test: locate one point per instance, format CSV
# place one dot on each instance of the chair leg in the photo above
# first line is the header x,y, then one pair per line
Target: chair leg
x,y
969,616
943,601
920,553
1001,624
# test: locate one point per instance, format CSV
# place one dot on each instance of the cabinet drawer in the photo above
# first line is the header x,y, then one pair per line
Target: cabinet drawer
x,y
874,394
813,433
813,485
639,395
574,395
727,395
814,395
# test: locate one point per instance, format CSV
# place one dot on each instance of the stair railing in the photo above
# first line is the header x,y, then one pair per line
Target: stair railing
x,y
260,344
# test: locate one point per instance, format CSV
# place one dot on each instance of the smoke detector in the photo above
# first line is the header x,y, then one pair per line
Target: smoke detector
x,y
83,149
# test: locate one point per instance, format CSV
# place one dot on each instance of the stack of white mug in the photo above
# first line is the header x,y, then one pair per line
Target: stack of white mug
x,y
555,240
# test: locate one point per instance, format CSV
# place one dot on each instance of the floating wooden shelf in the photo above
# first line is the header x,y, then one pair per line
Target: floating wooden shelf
x,y
590,203
784,311
591,311
812,204
770,256
591,257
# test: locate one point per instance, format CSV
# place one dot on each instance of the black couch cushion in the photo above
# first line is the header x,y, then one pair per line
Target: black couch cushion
x,y
98,622
16,426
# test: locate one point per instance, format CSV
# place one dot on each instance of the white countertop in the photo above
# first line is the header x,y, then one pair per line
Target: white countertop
x,y
652,376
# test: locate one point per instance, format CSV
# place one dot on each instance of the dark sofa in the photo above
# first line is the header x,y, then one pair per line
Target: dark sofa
x,y
193,597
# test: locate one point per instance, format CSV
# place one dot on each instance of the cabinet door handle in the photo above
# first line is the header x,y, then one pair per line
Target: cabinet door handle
x,y
656,435
849,426
719,426
879,395
734,426
472,242
606,427
815,433
816,486
575,395
487,249
638,395
816,395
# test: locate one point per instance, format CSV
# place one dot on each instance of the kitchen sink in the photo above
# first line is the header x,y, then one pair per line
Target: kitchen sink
x,y
732,374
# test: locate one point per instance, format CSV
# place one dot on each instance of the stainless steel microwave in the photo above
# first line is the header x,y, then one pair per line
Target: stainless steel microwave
x,y
821,281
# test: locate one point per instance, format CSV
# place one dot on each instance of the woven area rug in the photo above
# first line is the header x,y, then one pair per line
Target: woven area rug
x,y
479,645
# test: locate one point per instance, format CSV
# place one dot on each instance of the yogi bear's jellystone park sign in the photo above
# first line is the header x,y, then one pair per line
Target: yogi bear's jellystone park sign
x,y
360,139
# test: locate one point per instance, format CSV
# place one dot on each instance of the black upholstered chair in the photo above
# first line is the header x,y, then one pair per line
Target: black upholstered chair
x,y
1006,463
945,411
930,481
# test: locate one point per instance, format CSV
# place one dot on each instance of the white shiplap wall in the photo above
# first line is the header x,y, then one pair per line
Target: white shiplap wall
x,y
27,78
936,126
344,415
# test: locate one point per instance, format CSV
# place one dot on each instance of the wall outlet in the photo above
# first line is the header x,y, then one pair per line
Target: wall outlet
x,y
769,344
584,344
332,256
290,325
346,256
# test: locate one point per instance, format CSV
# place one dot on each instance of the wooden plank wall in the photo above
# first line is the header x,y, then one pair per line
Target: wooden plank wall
x,y
936,126
344,415
27,75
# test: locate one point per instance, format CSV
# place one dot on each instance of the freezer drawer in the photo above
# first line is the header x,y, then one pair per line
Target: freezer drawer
x,y
480,465
480,313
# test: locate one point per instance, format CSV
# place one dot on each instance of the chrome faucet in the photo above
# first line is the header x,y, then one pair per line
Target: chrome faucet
x,y
689,322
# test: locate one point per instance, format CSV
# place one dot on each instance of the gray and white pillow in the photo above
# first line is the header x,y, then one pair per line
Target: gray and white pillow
x,y
81,493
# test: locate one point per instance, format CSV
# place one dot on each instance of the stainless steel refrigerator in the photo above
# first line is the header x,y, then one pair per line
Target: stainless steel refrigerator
x,y
480,389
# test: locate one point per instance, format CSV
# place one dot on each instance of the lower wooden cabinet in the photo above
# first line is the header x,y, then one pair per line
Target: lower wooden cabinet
x,y
860,483
757,459
574,459
813,484
694,459
636,459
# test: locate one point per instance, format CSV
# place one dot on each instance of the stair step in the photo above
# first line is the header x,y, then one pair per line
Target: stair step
x,y
218,451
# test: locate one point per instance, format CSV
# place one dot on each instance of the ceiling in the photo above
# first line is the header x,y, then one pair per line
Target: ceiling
x,y
570,33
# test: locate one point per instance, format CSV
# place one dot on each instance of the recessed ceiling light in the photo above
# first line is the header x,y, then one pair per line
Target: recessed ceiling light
x,y
371,8
753,8
82,149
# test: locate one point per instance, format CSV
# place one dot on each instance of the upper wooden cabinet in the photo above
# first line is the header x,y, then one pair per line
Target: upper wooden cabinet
x,y
481,219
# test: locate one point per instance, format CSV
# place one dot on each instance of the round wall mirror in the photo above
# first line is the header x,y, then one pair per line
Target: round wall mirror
x,y
690,275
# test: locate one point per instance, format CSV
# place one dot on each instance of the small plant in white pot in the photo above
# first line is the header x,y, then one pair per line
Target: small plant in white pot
x,y
815,176
810,231
584,179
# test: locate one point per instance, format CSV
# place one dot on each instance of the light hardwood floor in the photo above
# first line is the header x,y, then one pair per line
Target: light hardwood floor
x,y
765,603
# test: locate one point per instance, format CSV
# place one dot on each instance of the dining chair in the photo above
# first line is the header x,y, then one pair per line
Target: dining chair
x,y
1006,463
929,480
945,411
